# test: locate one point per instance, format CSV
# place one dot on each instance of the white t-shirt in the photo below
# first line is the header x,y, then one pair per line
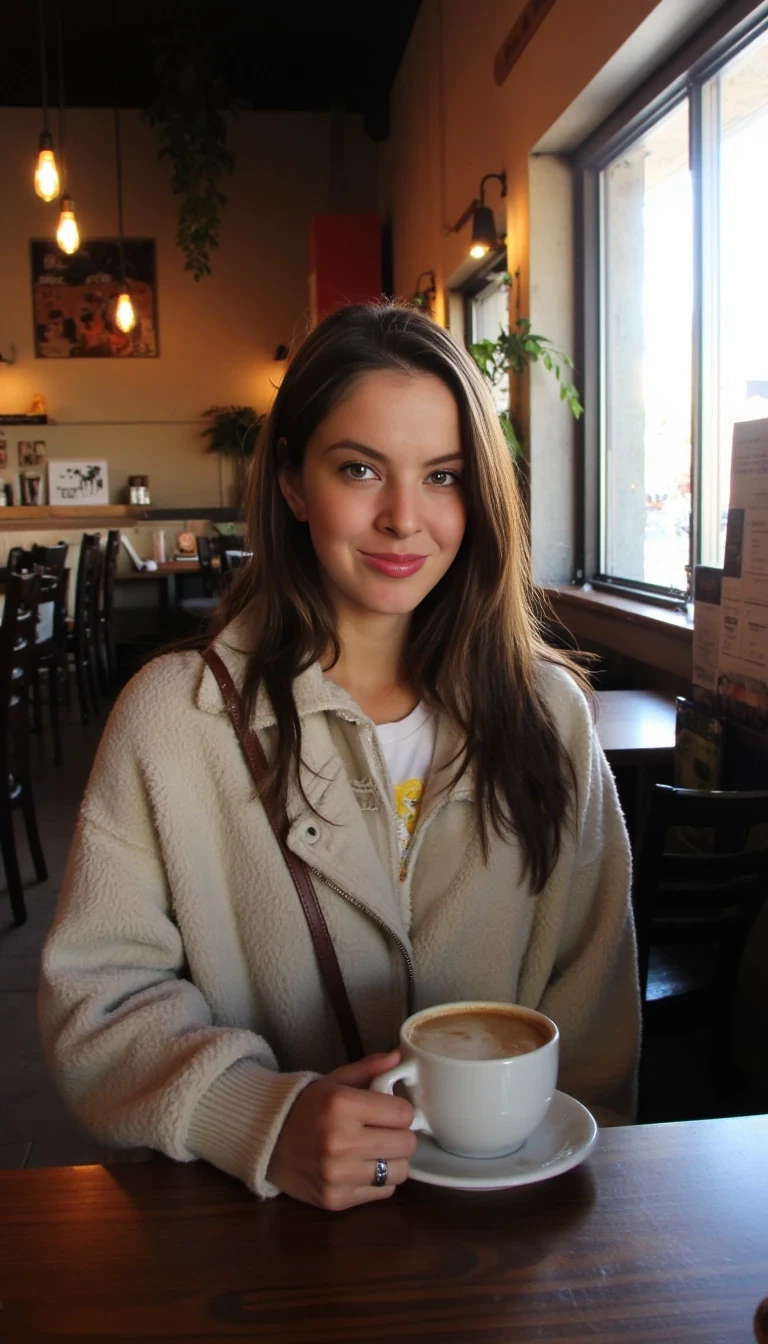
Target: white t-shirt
x,y
408,747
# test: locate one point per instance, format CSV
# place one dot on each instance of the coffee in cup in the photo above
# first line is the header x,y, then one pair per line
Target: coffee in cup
x,y
482,1075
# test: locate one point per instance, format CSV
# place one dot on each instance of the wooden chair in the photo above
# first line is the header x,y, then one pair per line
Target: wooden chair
x,y
697,893
232,560
82,634
17,636
106,612
49,657
50,559
196,612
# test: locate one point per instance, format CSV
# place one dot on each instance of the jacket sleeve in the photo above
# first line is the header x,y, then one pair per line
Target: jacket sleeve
x,y
130,1040
591,988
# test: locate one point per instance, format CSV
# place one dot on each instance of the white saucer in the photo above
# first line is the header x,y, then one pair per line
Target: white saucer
x,y
564,1138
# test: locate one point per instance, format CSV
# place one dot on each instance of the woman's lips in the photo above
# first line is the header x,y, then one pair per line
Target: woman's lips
x,y
394,566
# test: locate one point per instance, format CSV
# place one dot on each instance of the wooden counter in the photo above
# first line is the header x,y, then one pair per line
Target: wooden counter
x,y
55,517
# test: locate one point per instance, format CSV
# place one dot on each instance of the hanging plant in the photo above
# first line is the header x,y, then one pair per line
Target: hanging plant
x,y
510,354
231,430
190,115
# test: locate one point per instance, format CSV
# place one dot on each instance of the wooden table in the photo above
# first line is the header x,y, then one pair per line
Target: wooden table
x,y
662,1235
165,575
636,727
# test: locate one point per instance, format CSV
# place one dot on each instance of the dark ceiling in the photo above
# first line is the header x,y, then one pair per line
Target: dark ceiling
x,y
295,55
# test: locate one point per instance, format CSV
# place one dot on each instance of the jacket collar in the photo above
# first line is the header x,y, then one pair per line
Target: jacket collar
x,y
313,692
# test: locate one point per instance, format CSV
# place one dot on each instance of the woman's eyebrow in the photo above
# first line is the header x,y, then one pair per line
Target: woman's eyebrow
x,y
382,457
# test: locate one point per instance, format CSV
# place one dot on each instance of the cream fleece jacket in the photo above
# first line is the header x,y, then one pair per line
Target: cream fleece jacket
x,y
181,1006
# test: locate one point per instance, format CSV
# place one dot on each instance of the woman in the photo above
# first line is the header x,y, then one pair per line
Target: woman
x,y
453,804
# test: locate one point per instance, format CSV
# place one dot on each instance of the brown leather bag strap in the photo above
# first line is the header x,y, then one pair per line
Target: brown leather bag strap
x,y
321,938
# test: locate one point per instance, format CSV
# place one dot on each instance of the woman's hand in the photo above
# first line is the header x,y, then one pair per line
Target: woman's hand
x,y
335,1132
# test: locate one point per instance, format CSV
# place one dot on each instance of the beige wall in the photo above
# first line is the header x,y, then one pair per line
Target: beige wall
x,y
452,125
218,336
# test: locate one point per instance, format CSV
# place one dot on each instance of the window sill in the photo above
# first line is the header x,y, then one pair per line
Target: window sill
x,y
676,624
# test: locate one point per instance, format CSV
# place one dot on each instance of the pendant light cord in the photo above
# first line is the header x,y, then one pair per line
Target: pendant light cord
x,y
60,51
43,64
118,147
119,166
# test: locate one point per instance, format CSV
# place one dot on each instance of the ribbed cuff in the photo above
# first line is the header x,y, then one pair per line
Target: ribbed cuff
x,y
236,1123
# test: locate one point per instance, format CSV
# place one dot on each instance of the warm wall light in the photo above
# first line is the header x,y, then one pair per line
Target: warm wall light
x,y
483,224
68,234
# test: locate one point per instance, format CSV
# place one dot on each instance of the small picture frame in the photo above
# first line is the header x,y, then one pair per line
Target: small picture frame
x,y
81,481
39,452
26,453
31,485
3,454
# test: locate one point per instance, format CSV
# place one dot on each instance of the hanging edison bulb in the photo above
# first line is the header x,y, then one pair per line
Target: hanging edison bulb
x,y
125,314
68,234
46,172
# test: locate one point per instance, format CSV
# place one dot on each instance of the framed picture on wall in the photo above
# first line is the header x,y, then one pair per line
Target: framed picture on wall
x,y
77,482
74,299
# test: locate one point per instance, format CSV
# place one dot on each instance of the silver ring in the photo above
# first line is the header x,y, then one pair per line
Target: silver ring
x,y
382,1172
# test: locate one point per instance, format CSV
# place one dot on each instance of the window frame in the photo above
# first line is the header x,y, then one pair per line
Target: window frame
x,y
495,264
682,77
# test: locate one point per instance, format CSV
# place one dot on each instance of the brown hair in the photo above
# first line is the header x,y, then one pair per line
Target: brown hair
x,y
475,645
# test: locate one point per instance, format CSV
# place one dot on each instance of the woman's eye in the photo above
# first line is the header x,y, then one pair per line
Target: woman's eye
x,y
445,478
356,470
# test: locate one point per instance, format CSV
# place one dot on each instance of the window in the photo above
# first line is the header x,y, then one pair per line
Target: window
x,y
675,200
486,311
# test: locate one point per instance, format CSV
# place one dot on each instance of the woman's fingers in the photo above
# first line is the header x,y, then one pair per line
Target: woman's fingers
x,y
371,1144
359,1174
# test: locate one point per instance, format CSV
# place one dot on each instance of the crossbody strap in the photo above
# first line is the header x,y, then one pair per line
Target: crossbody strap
x,y
324,950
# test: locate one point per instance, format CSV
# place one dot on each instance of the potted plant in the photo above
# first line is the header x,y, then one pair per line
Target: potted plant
x,y
510,354
232,431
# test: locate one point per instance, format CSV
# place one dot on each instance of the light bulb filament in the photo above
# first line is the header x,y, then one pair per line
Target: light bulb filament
x,y
46,175
68,234
125,314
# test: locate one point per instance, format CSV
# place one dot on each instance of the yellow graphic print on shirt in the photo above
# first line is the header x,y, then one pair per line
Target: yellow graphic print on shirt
x,y
407,803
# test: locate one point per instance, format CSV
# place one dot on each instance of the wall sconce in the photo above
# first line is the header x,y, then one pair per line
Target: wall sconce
x,y
484,236
425,298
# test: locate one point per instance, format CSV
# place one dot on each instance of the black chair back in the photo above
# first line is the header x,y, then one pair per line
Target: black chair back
x,y
207,549
712,893
17,645
48,558
51,558
19,560
107,609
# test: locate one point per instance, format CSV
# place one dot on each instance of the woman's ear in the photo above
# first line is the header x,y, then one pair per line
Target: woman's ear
x,y
290,485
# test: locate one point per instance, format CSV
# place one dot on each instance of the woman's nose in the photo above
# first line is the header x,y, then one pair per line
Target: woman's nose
x,y
400,511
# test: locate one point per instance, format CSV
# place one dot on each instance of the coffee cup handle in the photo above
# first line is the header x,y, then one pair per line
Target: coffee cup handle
x,y
402,1073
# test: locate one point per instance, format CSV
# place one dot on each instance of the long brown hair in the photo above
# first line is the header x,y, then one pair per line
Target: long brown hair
x,y
474,647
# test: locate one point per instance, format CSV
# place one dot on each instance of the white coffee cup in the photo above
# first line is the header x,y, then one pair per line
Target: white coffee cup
x,y
476,1107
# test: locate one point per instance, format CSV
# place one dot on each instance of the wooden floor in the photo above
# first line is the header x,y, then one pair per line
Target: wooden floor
x,y
36,1130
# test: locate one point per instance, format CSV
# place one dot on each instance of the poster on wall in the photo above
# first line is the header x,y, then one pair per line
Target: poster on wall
x,y
743,662
77,482
74,299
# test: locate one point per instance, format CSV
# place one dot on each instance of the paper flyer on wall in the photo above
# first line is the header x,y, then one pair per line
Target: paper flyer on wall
x,y
743,658
707,620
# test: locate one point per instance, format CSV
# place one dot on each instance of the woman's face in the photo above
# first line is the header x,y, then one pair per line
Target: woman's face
x,y
380,489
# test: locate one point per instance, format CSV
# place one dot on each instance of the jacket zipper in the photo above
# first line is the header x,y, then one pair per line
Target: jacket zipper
x,y
366,911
